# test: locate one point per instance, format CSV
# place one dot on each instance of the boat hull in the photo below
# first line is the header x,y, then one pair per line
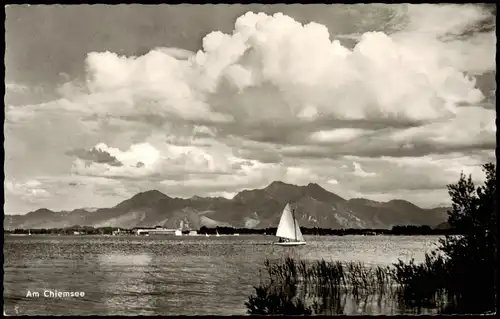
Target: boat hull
x,y
290,243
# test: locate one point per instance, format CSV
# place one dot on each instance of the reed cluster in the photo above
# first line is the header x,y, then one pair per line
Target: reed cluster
x,y
320,287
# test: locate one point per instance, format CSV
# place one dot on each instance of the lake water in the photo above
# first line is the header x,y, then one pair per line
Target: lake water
x,y
161,275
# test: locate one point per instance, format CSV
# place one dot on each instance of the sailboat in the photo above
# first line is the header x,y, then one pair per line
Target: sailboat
x,y
288,229
217,234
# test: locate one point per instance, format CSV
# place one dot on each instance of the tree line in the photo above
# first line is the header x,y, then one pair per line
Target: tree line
x,y
408,230
84,230
395,230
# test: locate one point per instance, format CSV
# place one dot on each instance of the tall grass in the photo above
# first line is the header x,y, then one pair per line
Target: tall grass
x,y
321,287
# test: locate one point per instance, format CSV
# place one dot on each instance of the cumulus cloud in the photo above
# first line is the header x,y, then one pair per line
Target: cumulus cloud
x,y
388,177
168,160
459,18
97,155
460,36
261,155
278,67
473,126
251,175
16,87
358,171
413,173
22,101
332,181
274,97
274,74
300,175
65,192
30,190
139,160
337,135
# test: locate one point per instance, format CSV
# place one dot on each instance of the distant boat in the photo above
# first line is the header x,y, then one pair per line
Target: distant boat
x,y
217,234
288,229
207,235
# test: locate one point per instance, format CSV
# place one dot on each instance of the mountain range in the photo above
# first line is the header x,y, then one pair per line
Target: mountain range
x,y
258,208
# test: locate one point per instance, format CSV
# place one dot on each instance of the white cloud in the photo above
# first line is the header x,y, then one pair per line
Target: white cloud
x,y
16,87
269,100
382,76
438,20
396,175
31,191
295,70
227,195
300,175
430,24
337,135
66,192
28,188
472,126
251,175
332,181
309,112
360,172
147,161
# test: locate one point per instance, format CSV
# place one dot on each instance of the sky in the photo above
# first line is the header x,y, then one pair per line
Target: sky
x,y
375,101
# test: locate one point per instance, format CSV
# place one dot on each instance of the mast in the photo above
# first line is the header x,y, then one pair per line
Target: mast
x,y
294,226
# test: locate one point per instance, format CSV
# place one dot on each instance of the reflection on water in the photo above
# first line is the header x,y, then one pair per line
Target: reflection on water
x,y
126,285
132,275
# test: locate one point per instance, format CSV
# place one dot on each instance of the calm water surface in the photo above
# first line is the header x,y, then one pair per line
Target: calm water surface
x,y
162,275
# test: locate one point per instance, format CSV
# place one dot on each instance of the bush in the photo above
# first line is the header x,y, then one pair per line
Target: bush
x,y
463,268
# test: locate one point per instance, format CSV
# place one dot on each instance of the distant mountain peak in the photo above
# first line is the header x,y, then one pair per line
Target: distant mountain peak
x,y
152,192
281,184
315,186
401,202
149,195
143,198
42,211
319,193
277,184
279,187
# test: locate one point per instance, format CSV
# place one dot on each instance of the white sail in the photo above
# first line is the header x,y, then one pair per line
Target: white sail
x,y
298,232
288,226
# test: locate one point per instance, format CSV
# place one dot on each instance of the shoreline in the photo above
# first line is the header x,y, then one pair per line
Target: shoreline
x,y
202,235
77,230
